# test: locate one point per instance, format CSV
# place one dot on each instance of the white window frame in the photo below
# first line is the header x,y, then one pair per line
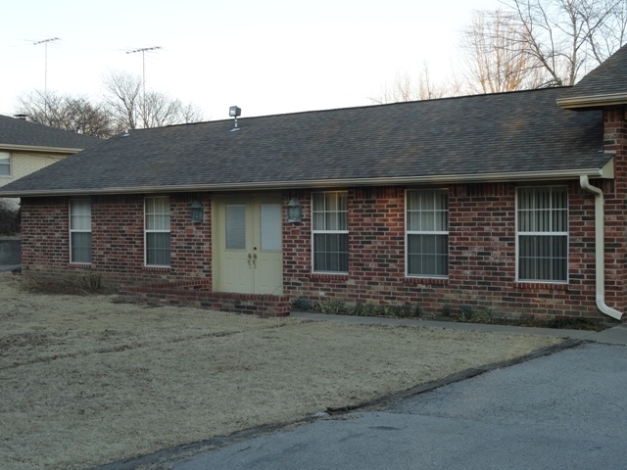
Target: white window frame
x,y
10,164
147,231
314,232
74,230
519,233
426,232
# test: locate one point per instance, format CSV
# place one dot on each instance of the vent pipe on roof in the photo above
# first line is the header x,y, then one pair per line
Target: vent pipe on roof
x,y
21,117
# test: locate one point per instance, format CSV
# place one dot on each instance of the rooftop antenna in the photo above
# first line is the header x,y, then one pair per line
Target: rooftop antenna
x,y
234,112
45,43
143,50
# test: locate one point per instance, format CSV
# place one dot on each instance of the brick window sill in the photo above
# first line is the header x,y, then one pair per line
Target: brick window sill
x,y
540,286
158,268
425,281
328,277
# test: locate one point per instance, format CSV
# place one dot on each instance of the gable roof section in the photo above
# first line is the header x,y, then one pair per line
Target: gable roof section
x,y
604,86
21,134
475,138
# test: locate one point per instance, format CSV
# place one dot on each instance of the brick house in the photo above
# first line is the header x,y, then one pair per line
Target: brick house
x,y
512,201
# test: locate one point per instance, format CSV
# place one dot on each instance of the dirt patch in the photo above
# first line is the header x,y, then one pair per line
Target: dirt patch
x,y
84,381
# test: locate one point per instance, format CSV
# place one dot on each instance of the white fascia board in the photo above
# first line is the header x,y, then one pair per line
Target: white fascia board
x,y
593,101
35,148
604,172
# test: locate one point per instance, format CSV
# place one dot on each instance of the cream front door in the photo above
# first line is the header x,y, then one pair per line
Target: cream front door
x,y
247,244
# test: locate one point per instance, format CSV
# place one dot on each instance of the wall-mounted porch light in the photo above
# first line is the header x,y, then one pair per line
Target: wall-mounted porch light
x,y
294,211
197,212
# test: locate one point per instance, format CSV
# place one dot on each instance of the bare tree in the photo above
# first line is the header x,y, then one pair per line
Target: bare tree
x,y
126,100
406,89
566,37
496,55
76,114
123,95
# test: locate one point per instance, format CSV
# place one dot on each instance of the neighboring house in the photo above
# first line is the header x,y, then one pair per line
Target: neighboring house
x,y
514,202
26,147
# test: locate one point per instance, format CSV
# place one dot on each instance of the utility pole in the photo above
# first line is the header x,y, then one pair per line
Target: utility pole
x,y
143,50
45,43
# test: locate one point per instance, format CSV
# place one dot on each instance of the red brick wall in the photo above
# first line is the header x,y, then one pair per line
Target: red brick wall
x,y
45,233
117,239
482,241
615,139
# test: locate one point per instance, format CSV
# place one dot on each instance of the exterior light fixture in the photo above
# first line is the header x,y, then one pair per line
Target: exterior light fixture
x,y
235,112
294,211
197,212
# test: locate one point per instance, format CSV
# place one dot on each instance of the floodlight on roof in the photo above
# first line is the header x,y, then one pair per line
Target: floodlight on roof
x,y
234,112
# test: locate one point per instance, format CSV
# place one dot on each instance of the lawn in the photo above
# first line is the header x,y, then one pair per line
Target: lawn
x,y
86,381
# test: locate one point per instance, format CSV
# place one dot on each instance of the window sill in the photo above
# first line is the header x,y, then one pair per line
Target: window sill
x,y
426,280
157,268
539,285
328,276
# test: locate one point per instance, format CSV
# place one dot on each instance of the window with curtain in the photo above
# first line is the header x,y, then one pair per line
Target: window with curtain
x,y
157,231
427,233
330,232
80,231
542,234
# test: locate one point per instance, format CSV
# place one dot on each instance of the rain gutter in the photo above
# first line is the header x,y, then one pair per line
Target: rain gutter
x,y
41,149
599,235
592,101
604,172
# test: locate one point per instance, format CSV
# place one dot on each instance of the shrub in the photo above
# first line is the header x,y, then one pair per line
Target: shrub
x,y
333,306
302,305
468,315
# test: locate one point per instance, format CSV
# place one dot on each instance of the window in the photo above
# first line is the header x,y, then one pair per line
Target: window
x,y
5,164
330,232
542,234
427,233
271,232
157,225
80,231
235,227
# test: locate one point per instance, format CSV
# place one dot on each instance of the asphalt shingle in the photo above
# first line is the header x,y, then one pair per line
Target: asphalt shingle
x,y
20,132
474,135
607,79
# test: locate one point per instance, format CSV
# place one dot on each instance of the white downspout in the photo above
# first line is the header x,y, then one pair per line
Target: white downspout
x,y
599,236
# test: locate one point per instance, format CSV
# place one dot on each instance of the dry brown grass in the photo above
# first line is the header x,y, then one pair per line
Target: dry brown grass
x,y
84,381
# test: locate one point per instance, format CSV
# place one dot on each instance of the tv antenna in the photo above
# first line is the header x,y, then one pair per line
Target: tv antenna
x,y
143,50
45,43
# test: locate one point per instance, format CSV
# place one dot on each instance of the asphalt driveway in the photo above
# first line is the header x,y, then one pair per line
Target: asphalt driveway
x,y
566,410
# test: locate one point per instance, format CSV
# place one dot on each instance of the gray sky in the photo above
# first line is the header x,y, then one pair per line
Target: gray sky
x,y
266,56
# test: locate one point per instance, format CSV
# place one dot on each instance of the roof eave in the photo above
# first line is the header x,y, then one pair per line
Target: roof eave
x,y
605,172
592,101
41,149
